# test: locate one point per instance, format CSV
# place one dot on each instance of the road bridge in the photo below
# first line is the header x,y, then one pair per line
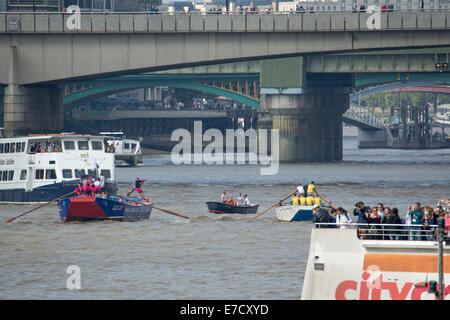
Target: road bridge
x,y
41,53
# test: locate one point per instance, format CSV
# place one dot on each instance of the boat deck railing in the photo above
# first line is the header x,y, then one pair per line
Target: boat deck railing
x,y
388,231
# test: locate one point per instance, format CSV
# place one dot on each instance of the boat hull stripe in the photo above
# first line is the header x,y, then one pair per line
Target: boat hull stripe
x,y
405,262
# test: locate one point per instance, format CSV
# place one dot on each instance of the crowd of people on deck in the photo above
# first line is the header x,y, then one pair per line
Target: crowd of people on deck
x,y
384,223
240,200
91,187
96,187
36,147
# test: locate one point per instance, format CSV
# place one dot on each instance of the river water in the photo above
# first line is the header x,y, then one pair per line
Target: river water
x,y
209,256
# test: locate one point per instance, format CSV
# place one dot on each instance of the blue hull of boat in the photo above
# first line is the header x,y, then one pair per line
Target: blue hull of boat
x,y
88,209
303,215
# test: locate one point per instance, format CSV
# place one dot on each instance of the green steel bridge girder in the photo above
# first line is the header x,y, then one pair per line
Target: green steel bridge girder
x,y
369,79
112,86
189,81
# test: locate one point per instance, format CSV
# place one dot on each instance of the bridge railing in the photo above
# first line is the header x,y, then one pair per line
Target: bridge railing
x,y
270,21
365,116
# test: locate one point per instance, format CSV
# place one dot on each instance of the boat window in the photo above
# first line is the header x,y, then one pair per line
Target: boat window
x,y
79,173
23,175
69,145
39,174
6,147
83,145
23,146
12,147
19,147
50,174
67,173
5,175
92,173
11,175
1,147
106,173
97,145
133,145
127,146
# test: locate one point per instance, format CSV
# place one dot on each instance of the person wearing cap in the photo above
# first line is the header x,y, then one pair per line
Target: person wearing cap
x,y
138,188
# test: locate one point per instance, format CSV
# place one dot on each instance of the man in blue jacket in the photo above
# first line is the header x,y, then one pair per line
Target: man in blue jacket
x,y
361,212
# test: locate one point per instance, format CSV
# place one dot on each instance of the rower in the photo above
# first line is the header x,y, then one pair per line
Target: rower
x,y
309,200
317,200
80,189
302,200
232,202
295,200
138,188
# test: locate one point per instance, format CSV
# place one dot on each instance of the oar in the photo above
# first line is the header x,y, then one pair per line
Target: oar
x,y
325,199
164,210
9,220
276,203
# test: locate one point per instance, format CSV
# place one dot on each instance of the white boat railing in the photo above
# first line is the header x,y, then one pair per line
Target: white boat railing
x,y
368,231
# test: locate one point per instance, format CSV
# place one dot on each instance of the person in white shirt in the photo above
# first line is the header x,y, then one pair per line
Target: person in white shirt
x,y
246,201
102,184
342,218
240,200
300,190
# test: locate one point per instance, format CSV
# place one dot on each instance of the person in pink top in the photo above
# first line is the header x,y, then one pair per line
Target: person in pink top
x,y
138,188
223,197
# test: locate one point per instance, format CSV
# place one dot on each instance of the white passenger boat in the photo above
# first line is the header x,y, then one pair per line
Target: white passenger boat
x,y
442,116
345,264
40,168
128,150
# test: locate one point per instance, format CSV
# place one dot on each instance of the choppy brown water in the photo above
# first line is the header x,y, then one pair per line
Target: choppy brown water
x,y
209,256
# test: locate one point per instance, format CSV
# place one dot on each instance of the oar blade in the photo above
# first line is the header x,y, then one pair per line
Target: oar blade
x,y
47,203
276,203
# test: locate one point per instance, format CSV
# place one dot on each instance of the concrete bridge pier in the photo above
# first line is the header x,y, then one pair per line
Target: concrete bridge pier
x,y
307,108
30,109
310,124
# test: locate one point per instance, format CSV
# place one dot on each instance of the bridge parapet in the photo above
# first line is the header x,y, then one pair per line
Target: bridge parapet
x,y
170,22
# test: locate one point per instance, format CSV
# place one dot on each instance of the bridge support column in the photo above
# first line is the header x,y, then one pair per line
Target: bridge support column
x,y
30,109
306,107
310,123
